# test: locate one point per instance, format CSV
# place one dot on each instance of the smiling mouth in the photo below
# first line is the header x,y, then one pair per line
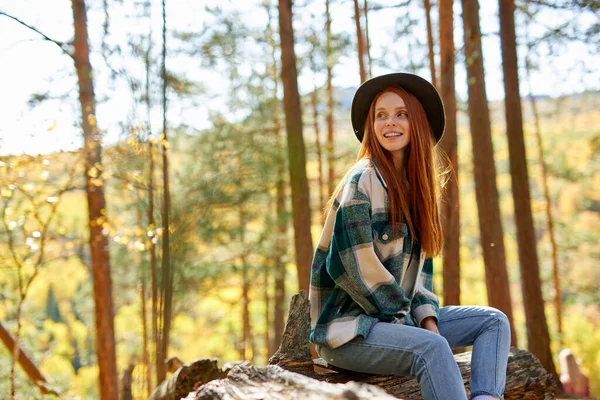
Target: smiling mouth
x,y
392,134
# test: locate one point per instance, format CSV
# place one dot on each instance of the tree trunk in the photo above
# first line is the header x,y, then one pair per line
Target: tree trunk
x,y
28,366
430,44
328,58
186,379
368,42
126,381
167,268
360,43
296,151
280,217
486,192
94,184
549,216
151,223
270,349
450,199
538,338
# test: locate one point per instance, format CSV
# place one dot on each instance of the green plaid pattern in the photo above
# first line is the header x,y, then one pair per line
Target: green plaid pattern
x,y
358,267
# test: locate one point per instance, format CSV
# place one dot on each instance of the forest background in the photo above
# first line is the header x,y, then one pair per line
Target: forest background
x,y
189,110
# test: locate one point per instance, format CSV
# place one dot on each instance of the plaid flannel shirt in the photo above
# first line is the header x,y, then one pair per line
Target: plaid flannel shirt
x,y
361,274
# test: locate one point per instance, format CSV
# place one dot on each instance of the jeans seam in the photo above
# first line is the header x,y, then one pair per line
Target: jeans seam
x,y
428,376
497,352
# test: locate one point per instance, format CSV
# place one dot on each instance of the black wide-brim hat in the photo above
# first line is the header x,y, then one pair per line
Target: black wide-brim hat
x,y
423,90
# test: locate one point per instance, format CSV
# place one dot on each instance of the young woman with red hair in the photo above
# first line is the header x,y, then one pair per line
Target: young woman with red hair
x,y
372,304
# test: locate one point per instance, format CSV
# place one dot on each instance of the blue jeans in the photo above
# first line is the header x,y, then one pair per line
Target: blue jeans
x,y
396,349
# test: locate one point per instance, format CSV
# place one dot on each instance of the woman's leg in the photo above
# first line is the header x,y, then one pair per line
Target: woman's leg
x,y
488,331
396,349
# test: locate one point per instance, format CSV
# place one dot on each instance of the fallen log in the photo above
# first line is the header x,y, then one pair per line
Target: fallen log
x,y
275,383
186,379
526,378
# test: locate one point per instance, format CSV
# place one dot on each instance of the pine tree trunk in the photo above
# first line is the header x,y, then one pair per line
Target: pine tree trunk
x,y
360,43
549,216
328,60
486,191
296,151
166,267
94,185
538,338
143,313
450,199
430,44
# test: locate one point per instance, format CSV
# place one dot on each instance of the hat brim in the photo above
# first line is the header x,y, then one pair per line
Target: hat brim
x,y
424,91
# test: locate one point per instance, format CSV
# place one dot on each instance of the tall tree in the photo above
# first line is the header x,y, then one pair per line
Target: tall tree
x,y
94,185
430,44
538,338
486,191
360,41
329,67
166,267
450,198
296,150
314,103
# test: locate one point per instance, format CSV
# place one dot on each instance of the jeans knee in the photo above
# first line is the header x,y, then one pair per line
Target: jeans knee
x,y
437,348
502,320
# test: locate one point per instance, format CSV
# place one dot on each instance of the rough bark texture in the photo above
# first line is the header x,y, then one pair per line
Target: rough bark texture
x,y
94,184
526,378
360,43
274,383
186,379
450,198
296,150
486,191
538,338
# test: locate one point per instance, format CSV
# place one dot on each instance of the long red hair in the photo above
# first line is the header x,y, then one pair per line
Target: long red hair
x,y
416,207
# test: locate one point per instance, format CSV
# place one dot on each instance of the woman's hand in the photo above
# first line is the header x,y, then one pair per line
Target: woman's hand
x,y
430,324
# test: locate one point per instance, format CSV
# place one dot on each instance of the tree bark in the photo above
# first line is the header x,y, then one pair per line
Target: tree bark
x,y
126,382
450,199
321,184
186,379
430,44
360,43
329,62
486,192
94,183
28,366
296,150
538,338
166,267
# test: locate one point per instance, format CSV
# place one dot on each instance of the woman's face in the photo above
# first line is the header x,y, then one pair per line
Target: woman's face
x,y
391,123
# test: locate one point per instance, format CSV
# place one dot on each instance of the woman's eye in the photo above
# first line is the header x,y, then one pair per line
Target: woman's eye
x,y
403,114
380,115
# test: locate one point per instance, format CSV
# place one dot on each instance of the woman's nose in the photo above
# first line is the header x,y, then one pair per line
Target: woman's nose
x,y
391,122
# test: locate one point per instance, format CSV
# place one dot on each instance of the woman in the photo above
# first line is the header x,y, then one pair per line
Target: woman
x,y
372,305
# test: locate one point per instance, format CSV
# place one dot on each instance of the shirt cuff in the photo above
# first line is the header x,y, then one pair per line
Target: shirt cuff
x,y
424,311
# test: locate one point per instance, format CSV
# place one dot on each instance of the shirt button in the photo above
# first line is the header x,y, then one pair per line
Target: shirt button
x,y
385,236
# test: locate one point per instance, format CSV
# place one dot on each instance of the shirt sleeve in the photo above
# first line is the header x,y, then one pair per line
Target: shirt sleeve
x,y
355,267
425,303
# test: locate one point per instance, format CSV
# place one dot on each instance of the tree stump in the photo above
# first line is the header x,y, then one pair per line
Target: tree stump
x,y
526,378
